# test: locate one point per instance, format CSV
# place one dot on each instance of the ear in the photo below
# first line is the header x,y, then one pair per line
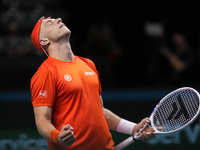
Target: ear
x,y
44,41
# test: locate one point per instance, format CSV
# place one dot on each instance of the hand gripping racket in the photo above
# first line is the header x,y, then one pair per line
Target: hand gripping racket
x,y
174,112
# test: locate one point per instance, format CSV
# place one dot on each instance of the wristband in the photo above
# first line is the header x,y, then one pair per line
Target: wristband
x,y
125,127
54,136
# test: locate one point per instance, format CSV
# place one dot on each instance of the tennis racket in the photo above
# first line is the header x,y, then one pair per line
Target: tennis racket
x,y
174,112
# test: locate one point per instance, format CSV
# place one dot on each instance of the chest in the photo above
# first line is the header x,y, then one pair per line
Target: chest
x,y
76,78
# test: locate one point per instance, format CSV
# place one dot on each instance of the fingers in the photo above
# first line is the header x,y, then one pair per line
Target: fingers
x,y
67,127
147,132
66,136
150,132
145,120
159,128
140,125
143,136
146,135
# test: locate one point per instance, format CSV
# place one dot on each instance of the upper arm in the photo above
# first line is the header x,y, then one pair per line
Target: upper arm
x,y
101,100
42,88
42,113
104,109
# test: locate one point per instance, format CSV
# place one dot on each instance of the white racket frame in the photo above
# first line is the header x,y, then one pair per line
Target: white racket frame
x,y
131,139
157,106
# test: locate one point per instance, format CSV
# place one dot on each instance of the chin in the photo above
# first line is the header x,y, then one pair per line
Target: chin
x,y
65,35
66,31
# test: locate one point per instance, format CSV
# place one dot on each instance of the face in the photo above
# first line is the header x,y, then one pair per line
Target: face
x,y
54,29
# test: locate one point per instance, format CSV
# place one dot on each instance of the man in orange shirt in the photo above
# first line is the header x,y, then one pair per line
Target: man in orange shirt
x,y
66,96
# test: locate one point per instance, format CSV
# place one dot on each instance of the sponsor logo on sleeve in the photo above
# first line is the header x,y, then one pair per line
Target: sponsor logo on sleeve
x,y
42,94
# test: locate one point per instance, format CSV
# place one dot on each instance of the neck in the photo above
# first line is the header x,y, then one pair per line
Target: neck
x,y
61,51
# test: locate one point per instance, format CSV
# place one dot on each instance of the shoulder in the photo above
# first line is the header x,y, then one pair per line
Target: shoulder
x,y
46,68
48,65
86,60
89,63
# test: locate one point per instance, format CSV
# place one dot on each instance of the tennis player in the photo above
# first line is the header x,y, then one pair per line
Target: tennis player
x,y
66,96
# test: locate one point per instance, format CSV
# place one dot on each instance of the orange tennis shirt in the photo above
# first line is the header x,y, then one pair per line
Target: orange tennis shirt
x,y
73,91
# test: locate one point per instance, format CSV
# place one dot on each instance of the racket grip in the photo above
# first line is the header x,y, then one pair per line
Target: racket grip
x,y
130,140
125,143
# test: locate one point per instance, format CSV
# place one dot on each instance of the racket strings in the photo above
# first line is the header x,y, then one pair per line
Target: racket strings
x,y
176,110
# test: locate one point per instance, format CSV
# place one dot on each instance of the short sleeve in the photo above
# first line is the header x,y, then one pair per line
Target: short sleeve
x,y
43,88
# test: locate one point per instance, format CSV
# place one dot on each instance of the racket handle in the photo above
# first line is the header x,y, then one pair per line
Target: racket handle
x,y
131,139
125,143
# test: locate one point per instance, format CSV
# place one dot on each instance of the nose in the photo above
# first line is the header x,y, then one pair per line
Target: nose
x,y
59,20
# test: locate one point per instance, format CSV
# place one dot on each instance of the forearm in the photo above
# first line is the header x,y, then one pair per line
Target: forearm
x,y
111,119
48,131
118,124
44,127
43,120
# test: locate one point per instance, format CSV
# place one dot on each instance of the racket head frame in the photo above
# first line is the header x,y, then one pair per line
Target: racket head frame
x,y
160,103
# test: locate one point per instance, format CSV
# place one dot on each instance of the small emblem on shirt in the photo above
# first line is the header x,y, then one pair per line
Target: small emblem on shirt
x,y
42,94
67,77
89,73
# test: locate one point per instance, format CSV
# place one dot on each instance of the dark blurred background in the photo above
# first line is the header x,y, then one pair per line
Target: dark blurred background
x,y
142,50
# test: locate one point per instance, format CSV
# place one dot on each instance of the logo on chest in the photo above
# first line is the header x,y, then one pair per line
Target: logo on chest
x,y
67,77
89,73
